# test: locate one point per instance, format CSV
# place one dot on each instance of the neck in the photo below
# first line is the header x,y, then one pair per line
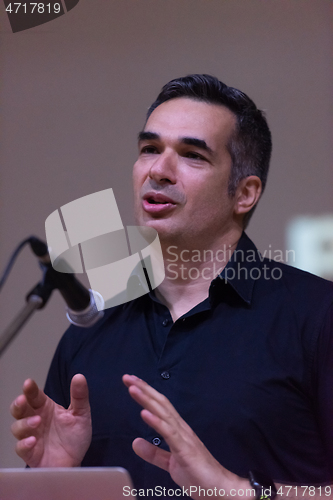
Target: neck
x,y
190,268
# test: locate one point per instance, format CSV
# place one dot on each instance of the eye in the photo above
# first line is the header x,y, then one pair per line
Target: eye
x,y
149,150
194,156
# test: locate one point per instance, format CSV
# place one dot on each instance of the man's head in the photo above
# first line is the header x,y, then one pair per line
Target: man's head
x,y
250,145
189,181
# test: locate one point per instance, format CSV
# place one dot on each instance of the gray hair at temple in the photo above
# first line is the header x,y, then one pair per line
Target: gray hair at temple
x,y
250,145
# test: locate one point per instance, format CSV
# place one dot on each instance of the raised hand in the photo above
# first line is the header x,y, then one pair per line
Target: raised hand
x,y
48,434
189,462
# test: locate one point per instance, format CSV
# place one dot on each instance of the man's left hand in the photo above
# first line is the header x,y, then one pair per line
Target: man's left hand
x,y
188,462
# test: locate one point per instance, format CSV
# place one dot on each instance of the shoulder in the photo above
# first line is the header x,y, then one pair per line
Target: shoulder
x,y
285,287
302,298
281,275
300,283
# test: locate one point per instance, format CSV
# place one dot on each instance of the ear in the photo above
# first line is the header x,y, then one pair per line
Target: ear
x,y
247,195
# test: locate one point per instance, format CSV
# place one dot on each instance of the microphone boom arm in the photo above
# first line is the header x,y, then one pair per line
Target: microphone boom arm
x,y
39,296
33,302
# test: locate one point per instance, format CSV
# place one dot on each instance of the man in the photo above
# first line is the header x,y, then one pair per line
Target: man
x,y
241,346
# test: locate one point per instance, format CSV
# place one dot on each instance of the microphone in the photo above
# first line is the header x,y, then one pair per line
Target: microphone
x,y
81,303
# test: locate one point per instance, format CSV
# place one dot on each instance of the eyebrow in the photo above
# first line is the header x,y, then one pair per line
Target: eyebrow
x,y
147,136
198,143
191,141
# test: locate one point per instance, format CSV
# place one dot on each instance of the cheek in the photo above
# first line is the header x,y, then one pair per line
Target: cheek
x,y
137,179
210,192
135,172
140,170
212,202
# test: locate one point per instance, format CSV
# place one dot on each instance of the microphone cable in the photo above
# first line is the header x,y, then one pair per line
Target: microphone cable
x,y
13,258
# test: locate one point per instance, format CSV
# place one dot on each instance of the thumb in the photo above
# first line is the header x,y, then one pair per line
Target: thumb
x,y
79,394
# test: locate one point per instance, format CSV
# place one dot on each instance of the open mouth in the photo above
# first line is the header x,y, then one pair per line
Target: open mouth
x,y
155,202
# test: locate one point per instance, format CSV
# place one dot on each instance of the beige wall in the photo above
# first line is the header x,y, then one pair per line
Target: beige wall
x,y
74,95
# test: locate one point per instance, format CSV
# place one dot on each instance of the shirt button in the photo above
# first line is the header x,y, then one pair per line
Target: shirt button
x,y
165,322
165,375
156,441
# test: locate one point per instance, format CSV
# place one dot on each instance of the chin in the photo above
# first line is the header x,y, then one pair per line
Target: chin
x,y
160,225
157,224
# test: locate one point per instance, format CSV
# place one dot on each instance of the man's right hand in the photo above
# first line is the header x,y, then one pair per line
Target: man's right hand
x,y
48,434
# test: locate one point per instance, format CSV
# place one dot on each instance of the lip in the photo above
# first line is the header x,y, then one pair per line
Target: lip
x,y
159,208
161,198
164,205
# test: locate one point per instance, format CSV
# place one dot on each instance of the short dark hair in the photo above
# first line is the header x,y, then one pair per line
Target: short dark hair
x,y
250,145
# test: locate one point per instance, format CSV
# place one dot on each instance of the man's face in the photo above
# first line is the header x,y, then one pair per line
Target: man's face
x,y
182,173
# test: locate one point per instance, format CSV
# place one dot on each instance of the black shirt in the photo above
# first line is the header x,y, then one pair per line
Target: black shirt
x,y
250,369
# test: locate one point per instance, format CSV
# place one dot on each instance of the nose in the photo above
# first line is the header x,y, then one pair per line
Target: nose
x,y
164,168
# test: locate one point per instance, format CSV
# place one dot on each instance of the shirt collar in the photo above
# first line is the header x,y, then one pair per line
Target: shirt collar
x,y
240,273
242,270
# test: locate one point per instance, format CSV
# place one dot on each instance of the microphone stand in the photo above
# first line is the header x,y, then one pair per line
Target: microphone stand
x,y
33,303
39,296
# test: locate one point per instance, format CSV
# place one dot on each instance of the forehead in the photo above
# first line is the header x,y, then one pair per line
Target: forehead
x,y
185,117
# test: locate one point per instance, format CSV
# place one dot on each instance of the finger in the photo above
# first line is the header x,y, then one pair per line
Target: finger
x,y
159,413
25,448
26,427
150,404
79,395
36,398
151,453
149,398
176,435
163,428
20,408
132,380
128,380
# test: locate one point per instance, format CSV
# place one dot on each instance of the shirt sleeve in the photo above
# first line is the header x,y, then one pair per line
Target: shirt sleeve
x,y
324,384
